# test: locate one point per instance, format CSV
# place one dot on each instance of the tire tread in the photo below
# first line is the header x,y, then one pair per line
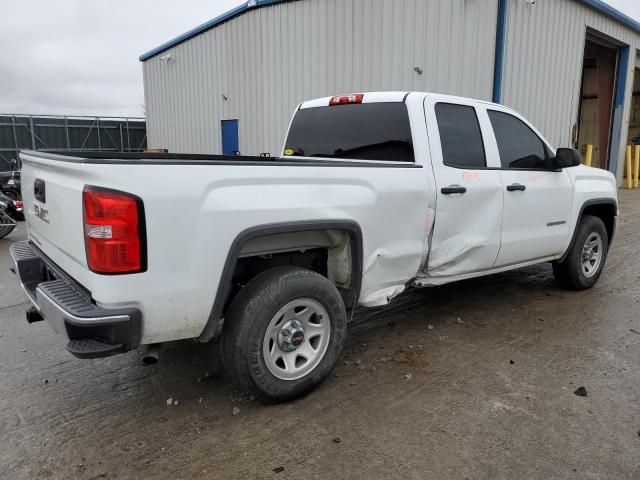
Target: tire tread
x,y
568,273
250,313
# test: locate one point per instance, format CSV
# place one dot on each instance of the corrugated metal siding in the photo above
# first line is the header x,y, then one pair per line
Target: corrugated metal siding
x,y
268,60
543,64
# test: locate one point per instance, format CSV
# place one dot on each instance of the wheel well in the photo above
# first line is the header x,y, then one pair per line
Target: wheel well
x,y
332,249
605,209
605,212
327,252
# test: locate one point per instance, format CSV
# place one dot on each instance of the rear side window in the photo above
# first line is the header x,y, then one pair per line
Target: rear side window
x,y
519,146
460,136
367,131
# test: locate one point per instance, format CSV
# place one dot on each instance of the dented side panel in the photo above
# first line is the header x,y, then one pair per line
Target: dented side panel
x,y
466,231
466,234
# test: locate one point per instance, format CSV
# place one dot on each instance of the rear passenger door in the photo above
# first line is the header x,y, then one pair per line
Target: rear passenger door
x,y
537,200
466,232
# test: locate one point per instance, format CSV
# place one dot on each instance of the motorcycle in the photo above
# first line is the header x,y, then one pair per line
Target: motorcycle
x,y
11,211
10,182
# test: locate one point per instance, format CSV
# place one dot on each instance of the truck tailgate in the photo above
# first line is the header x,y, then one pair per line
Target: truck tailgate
x,y
54,218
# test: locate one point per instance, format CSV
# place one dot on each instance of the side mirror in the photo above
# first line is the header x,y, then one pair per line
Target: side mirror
x,y
565,158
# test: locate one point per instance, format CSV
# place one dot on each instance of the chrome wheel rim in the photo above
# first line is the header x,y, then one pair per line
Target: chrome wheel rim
x,y
592,254
296,339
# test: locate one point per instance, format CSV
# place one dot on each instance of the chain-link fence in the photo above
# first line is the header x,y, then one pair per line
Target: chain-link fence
x,y
58,133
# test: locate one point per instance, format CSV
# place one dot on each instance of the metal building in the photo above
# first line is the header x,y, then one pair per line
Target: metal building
x,y
232,83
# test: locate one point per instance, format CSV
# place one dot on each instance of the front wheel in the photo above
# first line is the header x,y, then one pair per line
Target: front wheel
x,y
284,333
7,224
4,231
586,258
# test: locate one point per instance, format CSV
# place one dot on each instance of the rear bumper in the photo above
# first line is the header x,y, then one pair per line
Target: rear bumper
x,y
93,331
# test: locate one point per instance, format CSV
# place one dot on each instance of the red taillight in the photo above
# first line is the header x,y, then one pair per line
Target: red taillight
x,y
112,231
19,203
346,99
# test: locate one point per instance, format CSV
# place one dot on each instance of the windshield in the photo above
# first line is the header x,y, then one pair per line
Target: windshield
x,y
368,131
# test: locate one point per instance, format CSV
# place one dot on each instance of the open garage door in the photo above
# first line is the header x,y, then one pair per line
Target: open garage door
x,y
634,114
602,94
596,99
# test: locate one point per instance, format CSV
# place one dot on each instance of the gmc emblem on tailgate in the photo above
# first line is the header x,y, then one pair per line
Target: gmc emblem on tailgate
x,y
41,212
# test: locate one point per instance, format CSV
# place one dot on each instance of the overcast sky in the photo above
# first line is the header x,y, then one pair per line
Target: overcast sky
x,y
81,56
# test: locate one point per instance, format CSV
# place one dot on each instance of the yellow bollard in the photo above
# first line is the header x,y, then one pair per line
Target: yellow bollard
x,y
636,166
589,156
628,167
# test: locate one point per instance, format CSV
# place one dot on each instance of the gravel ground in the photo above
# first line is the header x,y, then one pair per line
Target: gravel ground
x,y
468,381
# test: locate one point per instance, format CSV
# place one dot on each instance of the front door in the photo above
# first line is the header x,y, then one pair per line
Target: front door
x,y
230,142
537,201
466,232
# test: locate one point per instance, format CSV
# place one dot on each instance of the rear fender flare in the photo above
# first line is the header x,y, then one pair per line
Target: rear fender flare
x,y
350,296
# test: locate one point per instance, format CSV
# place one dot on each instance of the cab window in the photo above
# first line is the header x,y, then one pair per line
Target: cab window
x,y
368,131
460,136
519,146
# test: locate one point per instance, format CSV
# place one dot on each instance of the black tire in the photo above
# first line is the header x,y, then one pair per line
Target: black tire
x,y
4,231
569,273
252,311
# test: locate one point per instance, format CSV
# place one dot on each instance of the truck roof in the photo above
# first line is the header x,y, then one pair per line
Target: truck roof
x,y
388,97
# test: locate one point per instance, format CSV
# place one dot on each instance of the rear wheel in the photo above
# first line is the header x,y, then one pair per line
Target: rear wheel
x,y
585,261
284,333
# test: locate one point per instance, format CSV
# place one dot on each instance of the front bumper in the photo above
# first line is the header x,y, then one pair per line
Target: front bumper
x,y
93,331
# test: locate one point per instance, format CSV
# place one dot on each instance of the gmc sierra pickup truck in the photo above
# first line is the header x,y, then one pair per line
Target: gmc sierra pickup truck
x,y
373,193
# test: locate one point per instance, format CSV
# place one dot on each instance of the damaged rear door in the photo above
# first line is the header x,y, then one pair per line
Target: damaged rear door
x,y
469,206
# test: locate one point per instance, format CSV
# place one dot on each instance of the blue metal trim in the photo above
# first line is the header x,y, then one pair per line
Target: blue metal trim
x,y
618,107
501,40
225,17
611,12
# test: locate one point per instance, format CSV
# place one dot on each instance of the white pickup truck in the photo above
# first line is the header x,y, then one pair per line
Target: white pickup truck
x,y
373,193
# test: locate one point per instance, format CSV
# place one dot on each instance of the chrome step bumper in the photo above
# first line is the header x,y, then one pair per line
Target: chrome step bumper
x,y
70,310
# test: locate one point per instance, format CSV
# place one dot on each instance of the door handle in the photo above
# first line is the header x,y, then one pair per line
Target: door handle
x,y
516,187
453,189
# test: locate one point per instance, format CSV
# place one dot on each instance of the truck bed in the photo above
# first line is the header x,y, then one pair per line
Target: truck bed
x,y
202,159
194,212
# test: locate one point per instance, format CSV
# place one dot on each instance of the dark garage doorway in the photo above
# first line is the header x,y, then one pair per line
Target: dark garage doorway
x,y
601,97
633,137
